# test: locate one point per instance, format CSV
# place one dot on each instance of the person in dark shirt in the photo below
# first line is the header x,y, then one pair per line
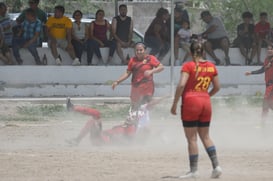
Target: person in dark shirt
x,y
157,35
122,31
246,37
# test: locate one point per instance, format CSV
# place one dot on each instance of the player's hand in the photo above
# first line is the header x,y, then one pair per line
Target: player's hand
x,y
173,109
114,84
248,73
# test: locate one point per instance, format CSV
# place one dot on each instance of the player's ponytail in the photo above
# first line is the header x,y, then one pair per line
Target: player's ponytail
x,y
197,53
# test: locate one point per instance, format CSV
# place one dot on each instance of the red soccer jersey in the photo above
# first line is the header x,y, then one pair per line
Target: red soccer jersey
x,y
139,67
262,29
268,76
199,81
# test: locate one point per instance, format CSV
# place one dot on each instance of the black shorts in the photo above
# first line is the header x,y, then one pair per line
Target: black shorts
x,y
216,43
190,124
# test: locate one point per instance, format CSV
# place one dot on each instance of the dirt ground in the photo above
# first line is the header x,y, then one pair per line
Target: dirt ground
x,y
38,151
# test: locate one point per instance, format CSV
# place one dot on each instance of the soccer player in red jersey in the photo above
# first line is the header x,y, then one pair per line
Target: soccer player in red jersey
x,y
142,67
196,77
267,68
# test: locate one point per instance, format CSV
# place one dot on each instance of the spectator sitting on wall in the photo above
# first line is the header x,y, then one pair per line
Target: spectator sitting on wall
x,y
217,37
40,14
79,34
59,29
246,37
98,37
122,30
5,54
157,35
262,29
5,24
183,39
31,29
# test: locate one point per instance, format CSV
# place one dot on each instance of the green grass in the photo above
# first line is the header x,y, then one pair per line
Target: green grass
x,y
110,111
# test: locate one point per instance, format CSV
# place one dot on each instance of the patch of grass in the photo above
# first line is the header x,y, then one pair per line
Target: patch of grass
x,y
113,110
40,110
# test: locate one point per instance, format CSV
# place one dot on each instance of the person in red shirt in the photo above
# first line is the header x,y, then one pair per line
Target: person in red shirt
x,y
196,77
136,123
262,29
267,68
142,67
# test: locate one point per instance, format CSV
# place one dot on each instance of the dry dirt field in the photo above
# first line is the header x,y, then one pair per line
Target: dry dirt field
x,y
37,151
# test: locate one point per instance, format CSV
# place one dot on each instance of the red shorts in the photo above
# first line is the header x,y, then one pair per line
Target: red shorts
x,y
142,90
196,108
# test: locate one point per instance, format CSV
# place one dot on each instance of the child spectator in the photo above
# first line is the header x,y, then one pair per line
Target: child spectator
x,y
183,39
262,29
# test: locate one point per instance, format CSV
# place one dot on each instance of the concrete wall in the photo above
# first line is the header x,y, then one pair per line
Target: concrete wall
x,y
89,81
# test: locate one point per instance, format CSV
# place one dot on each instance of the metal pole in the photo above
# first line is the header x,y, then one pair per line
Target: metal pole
x,y
172,49
116,7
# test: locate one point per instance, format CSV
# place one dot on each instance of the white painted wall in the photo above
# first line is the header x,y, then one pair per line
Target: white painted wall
x,y
89,81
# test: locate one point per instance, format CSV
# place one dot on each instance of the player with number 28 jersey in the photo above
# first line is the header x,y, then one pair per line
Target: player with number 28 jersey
x,y
196,91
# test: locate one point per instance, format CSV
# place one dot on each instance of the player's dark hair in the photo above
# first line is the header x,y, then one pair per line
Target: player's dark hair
x,y
122,6
60,8
263,14
30,12
141,43
247,14
160,12
99,11
75,12
197,52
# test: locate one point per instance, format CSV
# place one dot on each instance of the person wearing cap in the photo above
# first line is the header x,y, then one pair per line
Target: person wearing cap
x,y
246,37
216,35
40,14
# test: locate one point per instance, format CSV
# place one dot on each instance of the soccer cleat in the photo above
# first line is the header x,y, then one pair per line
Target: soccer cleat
x,y
69,105
217,172
58,61
190,175
76,62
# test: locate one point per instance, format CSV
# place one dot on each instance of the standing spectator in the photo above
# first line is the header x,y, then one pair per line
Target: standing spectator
x,y
122,30
183,39
141,67
5,24
31,29
267,68
100,36
59,29
5,54
216,37
40,14
79,34
246,37
262,29
196,107
157,35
